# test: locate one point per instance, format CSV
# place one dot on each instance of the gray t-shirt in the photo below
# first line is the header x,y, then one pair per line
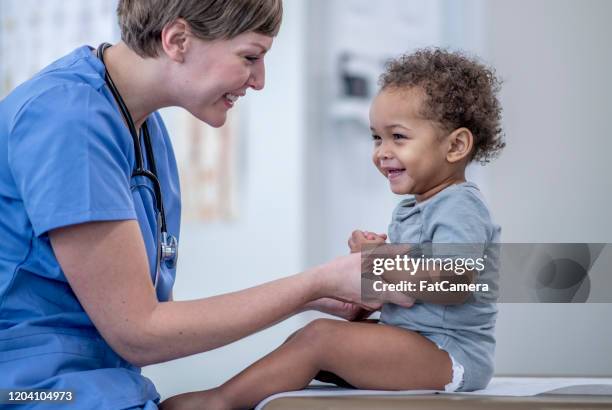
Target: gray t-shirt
x,y
456,215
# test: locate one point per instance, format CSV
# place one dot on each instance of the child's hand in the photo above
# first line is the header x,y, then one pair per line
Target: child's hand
x,y
359,238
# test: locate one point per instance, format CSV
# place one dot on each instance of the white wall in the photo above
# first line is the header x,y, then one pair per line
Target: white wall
x,y
265,242
552,182
345,190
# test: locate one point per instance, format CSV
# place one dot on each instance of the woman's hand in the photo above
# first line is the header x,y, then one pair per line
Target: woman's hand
x,y
359,238
341,279
344,310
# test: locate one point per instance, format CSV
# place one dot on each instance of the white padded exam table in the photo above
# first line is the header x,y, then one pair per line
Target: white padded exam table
x,y
503,393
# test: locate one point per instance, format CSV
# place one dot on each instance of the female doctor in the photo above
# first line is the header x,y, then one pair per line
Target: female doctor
x,y
90,207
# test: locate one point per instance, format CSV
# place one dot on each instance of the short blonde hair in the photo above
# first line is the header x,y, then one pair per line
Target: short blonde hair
x,y
141,21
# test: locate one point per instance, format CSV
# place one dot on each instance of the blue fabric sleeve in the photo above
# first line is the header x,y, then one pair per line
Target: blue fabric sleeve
x,y
69,157
459,225
461,218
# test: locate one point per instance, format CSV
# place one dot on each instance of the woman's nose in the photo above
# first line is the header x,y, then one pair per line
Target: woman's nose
x,y
257,81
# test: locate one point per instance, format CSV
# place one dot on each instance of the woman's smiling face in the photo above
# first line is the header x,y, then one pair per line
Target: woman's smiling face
x,y
216,73
408,150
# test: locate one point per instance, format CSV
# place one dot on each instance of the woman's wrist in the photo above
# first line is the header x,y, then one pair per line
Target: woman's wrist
x,y
320,282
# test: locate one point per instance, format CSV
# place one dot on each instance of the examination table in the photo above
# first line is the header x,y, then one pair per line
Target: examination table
x,y
502,393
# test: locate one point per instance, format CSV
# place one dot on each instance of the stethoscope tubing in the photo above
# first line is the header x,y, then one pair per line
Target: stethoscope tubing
x,y
166,243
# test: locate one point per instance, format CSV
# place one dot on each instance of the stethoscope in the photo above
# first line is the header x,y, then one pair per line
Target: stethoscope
x,y
167,245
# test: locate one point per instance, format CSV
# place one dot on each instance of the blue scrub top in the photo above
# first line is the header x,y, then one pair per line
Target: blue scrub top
x,y
66,158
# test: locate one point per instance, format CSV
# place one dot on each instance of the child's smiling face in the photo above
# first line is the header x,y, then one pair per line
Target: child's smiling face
x,y
408,149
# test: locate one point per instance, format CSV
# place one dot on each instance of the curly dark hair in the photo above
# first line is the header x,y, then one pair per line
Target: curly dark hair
x,y
460,92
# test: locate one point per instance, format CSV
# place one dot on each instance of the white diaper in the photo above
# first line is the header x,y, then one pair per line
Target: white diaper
x,y
458,371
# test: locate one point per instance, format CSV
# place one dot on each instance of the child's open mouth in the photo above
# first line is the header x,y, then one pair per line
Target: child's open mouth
x,y
394,173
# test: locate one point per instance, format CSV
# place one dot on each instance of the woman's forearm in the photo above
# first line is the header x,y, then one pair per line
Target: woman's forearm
x,y
106,266
178,329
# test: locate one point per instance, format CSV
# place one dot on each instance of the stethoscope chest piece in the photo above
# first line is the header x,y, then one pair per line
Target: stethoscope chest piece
x,y
169,250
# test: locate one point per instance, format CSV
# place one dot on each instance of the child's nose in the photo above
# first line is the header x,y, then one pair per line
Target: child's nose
x,y
384,152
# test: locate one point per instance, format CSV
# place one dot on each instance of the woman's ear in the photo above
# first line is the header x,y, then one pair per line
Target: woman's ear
x,y
460,144
174,39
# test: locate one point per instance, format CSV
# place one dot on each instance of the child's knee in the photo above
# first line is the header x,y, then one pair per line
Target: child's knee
x,y
316,333
317,339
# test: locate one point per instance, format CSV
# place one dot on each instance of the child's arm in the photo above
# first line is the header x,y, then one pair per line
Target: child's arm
x,y
433,277
360,238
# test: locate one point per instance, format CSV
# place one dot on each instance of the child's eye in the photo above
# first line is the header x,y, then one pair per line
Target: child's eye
x,y
398,136
376,139
252,59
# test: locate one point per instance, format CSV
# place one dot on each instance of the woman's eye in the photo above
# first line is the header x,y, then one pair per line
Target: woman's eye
x,y
398,136
375,138
252,59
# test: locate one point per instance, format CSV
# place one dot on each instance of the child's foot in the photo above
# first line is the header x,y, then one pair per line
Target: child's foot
x,y
199,400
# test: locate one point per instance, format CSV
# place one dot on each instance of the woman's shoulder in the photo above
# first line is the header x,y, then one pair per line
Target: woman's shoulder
x,y
72,77
80,66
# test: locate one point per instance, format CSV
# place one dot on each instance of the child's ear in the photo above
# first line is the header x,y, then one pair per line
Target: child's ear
x,y
460,144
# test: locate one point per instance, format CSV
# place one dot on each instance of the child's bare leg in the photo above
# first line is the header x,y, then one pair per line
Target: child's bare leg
x,y
379,357
368,356
290,367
